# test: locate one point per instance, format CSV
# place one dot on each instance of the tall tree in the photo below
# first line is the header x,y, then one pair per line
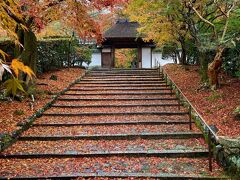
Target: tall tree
x,y
161,21
29,16
219,19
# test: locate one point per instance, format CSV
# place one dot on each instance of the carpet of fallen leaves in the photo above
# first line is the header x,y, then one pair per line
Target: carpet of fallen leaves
x,y
117,110
110,164
115,102
55,166
91,146
215,107
88,130
45,88
106,118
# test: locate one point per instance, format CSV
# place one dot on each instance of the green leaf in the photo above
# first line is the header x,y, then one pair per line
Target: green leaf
x,y
13,86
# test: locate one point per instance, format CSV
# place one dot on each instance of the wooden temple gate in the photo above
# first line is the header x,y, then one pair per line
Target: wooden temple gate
x,y
122,35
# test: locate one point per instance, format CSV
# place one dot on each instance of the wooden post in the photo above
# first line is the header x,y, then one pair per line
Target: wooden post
x,y
139,57
179,104
170,83
166,79
112,57
210,151
159,70
190,117
179,100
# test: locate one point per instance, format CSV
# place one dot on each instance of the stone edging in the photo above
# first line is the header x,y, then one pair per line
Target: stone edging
x,y
226,150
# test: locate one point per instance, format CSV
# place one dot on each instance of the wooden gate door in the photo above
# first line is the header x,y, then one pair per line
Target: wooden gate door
x,y
106,60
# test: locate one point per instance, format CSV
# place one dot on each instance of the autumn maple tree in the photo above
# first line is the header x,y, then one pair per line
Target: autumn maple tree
x,y
161,23
211,26
23,18
221,29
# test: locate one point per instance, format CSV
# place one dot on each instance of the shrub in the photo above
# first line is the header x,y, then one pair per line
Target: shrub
x,y
55,53
214,96
231,61
18,112
62,52
236,113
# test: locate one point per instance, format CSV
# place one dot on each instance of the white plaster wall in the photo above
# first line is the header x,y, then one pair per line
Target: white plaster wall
x,y
157,57
146,57
96,59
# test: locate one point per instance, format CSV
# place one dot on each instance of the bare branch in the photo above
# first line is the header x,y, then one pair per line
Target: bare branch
x,y
227,20
205,20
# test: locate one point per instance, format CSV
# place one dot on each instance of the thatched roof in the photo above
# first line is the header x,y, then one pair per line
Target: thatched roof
x,y
122,29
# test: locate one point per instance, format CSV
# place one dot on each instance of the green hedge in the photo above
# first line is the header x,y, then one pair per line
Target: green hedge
x,y
55,53
52,54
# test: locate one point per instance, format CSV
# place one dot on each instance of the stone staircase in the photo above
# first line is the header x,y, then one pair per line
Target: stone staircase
x,y
112,124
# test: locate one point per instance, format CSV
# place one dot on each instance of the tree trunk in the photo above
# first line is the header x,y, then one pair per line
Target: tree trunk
x,y
203,67
177,57
183,58
214,68
69,54
19,49
27,53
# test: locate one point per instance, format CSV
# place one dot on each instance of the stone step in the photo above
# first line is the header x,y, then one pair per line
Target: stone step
x,y
96,176
117,97
116,113
163,154
108,167
117,93
124,72
135,72
110,128
123,69
123,82
151,122
118,89
96,74
114,99
140,73
119,85
104,118
137,147
174,135
116,102
122,79
115,106
136,109
102,76
107,76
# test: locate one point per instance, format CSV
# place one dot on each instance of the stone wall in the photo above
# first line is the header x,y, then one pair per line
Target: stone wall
x,y
227,153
